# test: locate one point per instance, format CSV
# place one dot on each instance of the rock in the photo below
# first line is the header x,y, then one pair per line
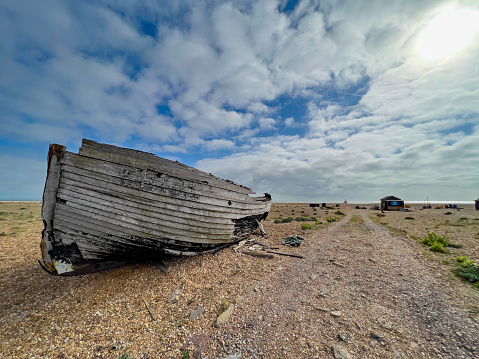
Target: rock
x,y
233,356
174,296
223,317
336,313
323,294
313,276
196,313
341,352
377,335
384,323
346,337
301,238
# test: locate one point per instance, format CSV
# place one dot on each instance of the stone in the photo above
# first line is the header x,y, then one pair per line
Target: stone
x,y
377,335
384,323
313,276
346,337
341,352
223,317
336,313
196,313
174,296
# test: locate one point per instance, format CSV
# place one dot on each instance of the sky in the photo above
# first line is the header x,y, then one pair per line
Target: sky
x,y
308,100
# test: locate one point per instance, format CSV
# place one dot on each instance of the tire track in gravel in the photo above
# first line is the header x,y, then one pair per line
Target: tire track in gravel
x,y
360,287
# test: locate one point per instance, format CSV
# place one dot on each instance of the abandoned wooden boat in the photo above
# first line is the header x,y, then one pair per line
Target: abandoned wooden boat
x,y
108,205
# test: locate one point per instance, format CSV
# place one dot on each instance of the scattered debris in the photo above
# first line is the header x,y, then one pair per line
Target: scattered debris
x,y
256,254
150,310
285,254
292,241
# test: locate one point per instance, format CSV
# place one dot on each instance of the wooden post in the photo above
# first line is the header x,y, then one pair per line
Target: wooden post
x,y
55,155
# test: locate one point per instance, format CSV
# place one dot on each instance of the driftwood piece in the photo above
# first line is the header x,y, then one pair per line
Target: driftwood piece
x,y
261,228
150,310
256,254
286,254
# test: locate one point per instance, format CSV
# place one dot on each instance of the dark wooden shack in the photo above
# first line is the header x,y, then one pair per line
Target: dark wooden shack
x,y
391,203
477,204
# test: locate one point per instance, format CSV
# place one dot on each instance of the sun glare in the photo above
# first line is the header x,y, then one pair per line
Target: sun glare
x,y
448,33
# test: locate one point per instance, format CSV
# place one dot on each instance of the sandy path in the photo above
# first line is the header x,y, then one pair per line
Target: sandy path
x,y
358,287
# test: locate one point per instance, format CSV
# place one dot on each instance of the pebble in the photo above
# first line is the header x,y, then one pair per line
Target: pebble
x,y
336,313
384,323
196,313
174,295
341,352
346,337
223,317
377,335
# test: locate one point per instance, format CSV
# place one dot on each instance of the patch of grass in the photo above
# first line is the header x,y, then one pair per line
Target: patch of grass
x,y
339,213
468,270
357,219
185,354
318,222
306,226
284,220
125,356
414,237
330,219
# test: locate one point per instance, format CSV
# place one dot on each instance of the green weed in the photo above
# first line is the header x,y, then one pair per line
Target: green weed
x,y
437,247
330,219
306,226
468,270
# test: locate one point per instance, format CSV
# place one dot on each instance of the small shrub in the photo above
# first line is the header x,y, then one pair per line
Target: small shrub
x,y
318,222
185,354
330,219
468,270
432,238
464,261
306,226
125,356
410,218
339,213
437,247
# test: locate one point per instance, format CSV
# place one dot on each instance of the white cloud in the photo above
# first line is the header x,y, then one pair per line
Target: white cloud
x,y
218,144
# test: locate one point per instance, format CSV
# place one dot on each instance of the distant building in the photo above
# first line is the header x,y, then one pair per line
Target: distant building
x,y
477,204
391,203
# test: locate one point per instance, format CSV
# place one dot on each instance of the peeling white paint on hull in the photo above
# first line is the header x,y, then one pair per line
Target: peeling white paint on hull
x,y
107,205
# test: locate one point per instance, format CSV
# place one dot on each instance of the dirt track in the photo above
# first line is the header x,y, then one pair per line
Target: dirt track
x,y
360,283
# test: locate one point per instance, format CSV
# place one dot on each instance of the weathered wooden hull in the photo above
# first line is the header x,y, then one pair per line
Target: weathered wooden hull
x,y
108,205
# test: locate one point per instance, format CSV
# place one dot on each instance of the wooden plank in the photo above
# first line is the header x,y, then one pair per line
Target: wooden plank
x,y
105,170
175,211
147,160
69,179
180,224
141,228
78,200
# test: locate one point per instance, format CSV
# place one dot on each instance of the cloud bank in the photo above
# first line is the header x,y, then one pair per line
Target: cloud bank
x,y
307,100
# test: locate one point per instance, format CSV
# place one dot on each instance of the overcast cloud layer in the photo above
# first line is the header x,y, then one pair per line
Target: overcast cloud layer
x,y
311,101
